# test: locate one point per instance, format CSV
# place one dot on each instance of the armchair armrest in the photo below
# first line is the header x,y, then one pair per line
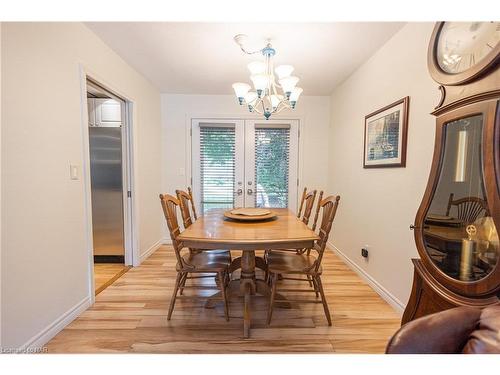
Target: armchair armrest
x,y
444,332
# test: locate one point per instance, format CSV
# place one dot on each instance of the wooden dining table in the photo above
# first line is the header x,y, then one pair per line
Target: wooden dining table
x,y
214,232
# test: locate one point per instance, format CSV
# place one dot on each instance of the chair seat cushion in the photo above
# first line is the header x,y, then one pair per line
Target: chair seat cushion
x,y
286,262
207,261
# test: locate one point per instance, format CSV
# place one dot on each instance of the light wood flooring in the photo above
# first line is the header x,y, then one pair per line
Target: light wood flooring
x,y
106,273
130,316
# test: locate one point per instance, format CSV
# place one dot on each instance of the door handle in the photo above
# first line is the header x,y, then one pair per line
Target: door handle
x,y
249,191
239,192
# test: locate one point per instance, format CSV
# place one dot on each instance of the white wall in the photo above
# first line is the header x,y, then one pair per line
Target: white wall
x,y
378,205
44,254
177,111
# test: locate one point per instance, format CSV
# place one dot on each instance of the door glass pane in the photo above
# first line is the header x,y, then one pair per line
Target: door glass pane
x,y
217,167
272,150
459,233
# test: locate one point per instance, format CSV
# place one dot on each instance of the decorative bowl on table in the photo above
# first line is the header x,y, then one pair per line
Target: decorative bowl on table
x,y
249,214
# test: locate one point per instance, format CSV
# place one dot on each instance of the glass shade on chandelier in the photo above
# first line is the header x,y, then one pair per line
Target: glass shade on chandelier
x,y
275,89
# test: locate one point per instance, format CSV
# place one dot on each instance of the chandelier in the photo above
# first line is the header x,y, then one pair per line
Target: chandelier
x,y
269,97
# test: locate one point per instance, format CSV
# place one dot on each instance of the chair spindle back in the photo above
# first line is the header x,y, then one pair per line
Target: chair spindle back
x,y
309,203
186,203
468,208
318,206
302,199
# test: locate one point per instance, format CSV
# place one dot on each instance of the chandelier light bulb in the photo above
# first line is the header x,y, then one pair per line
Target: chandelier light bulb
x,y
284,71
288,84
257,67
241,89
294,96
260,82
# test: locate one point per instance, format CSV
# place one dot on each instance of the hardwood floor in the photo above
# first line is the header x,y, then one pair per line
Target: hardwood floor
x,y
130,316
106,273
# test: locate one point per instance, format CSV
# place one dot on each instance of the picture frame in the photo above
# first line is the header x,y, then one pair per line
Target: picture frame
x,y
386,136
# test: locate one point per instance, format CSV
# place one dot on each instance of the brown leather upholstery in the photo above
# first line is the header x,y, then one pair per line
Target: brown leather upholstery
x,y
459,330
486,337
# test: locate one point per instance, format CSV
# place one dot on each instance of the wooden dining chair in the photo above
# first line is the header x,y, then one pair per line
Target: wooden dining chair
x,y
468,208
187,206
307,202
293,265
308,199
191,265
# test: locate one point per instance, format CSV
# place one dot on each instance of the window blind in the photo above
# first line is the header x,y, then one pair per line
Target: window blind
x,y
272,151
217,167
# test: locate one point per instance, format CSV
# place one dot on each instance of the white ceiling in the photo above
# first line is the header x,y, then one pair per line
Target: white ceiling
x,y
201,58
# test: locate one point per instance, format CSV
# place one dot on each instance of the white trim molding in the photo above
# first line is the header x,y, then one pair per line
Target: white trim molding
x,y
152,249
44,336
374,284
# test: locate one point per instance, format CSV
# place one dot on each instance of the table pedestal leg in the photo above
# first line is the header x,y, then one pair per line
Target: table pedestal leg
x,y
248,286
247,271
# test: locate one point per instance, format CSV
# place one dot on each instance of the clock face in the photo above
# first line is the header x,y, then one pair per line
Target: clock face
x,y
462,45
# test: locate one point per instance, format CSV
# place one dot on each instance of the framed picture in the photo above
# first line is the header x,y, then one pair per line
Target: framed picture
x,y
386,132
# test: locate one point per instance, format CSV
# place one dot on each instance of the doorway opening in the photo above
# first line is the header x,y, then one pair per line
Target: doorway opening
x,y
110,192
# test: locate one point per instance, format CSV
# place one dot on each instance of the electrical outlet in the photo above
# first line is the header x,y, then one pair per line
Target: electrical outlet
x,y
364,252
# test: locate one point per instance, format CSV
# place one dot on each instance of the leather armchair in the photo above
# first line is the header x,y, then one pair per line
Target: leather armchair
x,y
459,330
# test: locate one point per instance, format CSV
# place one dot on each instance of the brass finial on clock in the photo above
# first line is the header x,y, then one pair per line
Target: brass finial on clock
x,y
471,231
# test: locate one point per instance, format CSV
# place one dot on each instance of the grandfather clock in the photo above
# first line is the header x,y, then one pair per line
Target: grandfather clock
x,y
456,226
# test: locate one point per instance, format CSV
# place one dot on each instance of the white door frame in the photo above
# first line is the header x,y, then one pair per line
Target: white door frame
x,y
192,154
128,159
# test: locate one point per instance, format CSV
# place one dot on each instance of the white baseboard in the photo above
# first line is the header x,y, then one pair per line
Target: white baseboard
x,y
381,291
152,249
43,337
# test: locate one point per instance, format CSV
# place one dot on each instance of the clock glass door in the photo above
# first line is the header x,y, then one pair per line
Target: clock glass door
x,y
459,234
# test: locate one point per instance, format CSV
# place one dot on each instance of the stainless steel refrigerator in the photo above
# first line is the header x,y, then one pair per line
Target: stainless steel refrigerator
x,y
107,191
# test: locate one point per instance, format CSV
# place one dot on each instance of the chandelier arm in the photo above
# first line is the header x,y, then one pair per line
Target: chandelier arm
x,y
279,109
257,111
283,105
250,53
256,104
238,39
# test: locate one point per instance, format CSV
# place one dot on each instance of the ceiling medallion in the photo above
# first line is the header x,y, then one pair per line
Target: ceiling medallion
x,y
269,96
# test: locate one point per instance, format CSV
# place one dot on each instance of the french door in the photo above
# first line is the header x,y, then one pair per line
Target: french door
x,y
244,163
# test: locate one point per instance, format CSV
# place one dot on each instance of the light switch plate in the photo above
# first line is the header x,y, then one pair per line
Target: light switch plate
x,y
74,171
